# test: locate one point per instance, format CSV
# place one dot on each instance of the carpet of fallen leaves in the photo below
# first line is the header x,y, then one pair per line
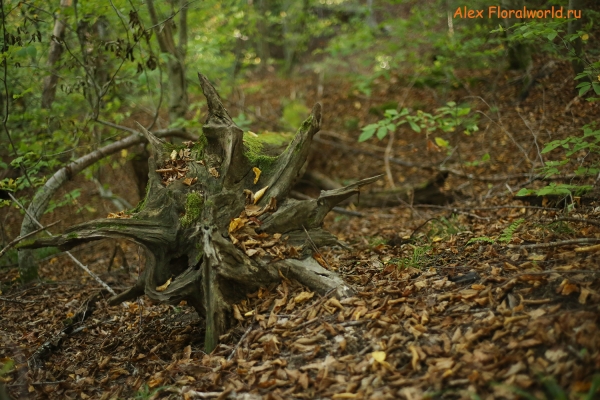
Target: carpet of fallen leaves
x,y
474,300
485,318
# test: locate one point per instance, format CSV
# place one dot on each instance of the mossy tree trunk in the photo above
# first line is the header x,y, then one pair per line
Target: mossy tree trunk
x,y
217,223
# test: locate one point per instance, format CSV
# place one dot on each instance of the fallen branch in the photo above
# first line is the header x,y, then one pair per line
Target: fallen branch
x,y
569,219
85,268
239,342
19,238
554,244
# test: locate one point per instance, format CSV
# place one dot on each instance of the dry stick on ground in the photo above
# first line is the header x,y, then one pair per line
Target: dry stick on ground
x,y
569,219
19,238
486,208
554,244
240,342
16,301
85,268
409,164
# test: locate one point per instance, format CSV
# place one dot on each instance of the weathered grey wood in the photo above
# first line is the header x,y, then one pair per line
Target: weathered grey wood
x,y
184,228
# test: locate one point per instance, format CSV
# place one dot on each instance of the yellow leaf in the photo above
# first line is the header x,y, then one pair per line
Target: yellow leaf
x,y
441,142
164,287
124,153
585,37
345,395
378,356
257,172
236,224
304,296
258,195
174,155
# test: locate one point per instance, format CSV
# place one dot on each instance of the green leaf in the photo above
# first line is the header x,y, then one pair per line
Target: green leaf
x,y
382,132
366,135
441,142
367,132
31,51
552,35
584,88
525,192
414,126
596,87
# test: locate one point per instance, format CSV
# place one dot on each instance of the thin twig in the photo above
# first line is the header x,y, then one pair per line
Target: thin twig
x,y
85,268
569,219
314,246
239,342
16,301
554,244
19,238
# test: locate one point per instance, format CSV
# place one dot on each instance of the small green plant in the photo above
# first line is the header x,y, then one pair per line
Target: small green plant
x,y
447,119
242,121
589,143
507,233
145,393
553,391
417,259
505,237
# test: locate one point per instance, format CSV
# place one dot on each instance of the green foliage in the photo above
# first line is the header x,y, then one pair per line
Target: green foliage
x,y
587,144
445,119
505,237
242,121
418,258
507,233
145,393
553,391
481,239
294,113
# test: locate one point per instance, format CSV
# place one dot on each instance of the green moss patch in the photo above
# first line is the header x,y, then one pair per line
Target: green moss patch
x,y
193,209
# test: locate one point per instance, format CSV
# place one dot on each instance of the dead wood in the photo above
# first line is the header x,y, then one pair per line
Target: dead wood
x,y
217,222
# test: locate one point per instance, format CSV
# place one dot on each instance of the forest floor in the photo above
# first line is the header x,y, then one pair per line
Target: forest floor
x,y
488,297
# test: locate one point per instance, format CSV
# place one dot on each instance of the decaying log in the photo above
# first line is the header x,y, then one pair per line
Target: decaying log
x,y
426,193
217,224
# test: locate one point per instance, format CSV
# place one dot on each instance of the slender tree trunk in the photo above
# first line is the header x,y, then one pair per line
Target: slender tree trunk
x,y
577,44
178,99
262,40
519,54
56,50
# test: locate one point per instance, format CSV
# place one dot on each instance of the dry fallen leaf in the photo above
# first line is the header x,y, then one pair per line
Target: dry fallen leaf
x,y
303,296
258,195
164,287
236,224
256,174
213,172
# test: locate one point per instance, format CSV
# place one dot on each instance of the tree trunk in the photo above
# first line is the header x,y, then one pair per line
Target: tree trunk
x,y
56,49
577,44
519,54
217,223
178,98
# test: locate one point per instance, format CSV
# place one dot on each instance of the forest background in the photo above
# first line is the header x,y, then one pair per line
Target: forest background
x,y
486,112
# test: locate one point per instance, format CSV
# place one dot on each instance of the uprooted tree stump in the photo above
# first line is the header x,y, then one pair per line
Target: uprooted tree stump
x,y
217,224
